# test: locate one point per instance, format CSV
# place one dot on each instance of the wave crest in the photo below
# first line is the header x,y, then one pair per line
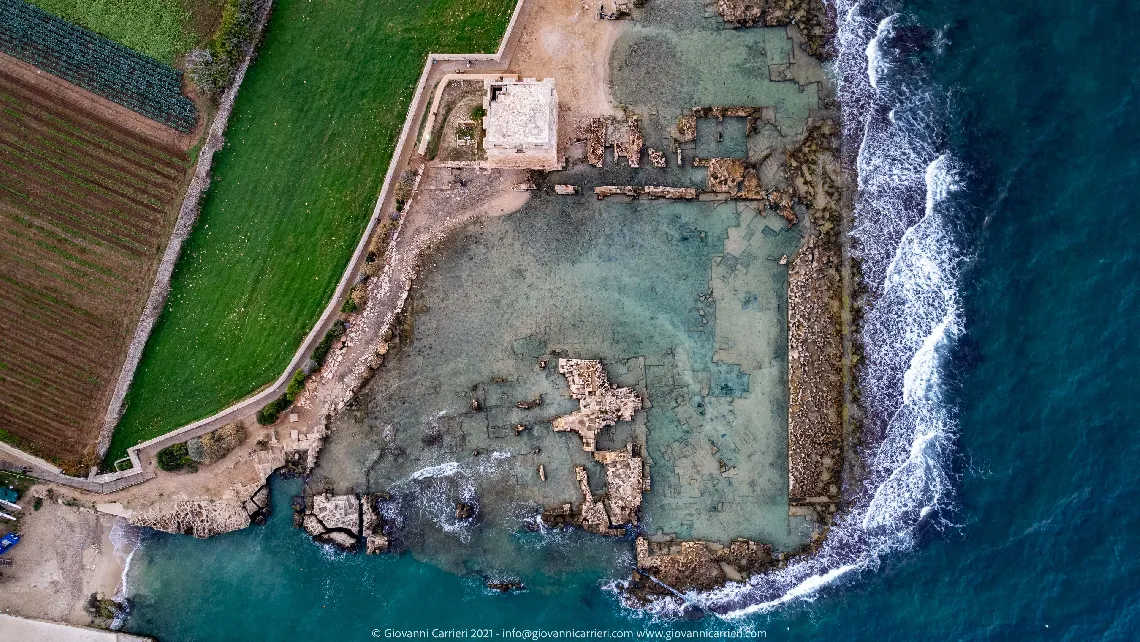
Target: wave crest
x,y
906,236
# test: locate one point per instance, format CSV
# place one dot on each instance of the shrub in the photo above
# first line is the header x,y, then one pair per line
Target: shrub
x,y
38,504
359,295
216,444
267,416
322,349
478,113
213,67
174,457
296,385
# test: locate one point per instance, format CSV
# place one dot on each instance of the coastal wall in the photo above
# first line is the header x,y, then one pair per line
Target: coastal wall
x,y
18,628
436,66
187,216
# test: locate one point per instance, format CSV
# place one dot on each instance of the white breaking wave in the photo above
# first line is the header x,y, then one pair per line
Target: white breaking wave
x,y
126,538
432,491
910,253
876,64
451,468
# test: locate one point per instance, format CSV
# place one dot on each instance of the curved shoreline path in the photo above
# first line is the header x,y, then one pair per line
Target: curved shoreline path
x,y
400,258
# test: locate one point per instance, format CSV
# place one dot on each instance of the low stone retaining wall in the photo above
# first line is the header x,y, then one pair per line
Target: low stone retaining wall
x,y
111,482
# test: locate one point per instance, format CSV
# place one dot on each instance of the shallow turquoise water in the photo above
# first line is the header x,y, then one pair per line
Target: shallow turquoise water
x,y
1037,533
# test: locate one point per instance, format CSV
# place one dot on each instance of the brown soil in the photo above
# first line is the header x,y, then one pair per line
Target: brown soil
x,y
87,196
565,40
65,93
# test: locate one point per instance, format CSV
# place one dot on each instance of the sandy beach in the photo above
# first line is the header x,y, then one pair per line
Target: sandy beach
x,y
65,555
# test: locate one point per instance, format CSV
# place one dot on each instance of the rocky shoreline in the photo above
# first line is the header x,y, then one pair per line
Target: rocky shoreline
x,y
810,193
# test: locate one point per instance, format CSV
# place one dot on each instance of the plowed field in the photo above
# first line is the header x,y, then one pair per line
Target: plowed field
x,y
86,208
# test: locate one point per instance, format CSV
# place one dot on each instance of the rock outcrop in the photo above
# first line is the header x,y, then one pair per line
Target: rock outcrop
x,y
623,485
197,517
596,141
815,18
629,145
601,404
372,524
344,521
592,517
686,128
690,565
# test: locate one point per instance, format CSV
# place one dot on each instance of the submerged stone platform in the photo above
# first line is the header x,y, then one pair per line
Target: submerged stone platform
x,y
601,403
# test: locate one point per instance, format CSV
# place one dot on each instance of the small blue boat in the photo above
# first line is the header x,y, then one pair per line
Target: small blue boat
x,y
8,541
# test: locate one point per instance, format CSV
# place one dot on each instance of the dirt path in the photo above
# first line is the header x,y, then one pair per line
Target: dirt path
x,y
552,38
572,46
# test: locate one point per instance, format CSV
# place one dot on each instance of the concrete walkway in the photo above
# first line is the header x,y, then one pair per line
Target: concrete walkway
x,y
435,68
18,628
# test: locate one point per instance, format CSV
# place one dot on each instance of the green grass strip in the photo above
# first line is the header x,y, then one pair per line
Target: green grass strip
x,y
157,28
309,141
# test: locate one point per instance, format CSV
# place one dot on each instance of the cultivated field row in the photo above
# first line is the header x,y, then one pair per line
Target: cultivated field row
x,y
85,209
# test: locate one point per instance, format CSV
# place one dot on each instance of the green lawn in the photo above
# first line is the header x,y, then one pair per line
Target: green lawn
x,y
309,141
158,28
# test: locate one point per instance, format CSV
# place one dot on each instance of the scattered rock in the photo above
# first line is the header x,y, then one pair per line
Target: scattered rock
x,y
464,511
686,128
529,405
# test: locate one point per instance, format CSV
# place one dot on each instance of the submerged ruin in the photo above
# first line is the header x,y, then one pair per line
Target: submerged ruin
x,y
600,403
705,269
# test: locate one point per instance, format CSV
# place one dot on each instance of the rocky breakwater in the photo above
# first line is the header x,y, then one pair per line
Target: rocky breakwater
x,y
345,521
202,507
815,18
815,326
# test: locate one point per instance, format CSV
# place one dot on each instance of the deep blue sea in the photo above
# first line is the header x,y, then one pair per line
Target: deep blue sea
x,y
998,146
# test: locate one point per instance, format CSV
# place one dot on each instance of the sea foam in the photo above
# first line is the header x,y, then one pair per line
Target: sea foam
x,y
905,233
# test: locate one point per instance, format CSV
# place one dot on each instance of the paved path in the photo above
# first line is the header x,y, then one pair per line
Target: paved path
x,y
18,628
400,257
